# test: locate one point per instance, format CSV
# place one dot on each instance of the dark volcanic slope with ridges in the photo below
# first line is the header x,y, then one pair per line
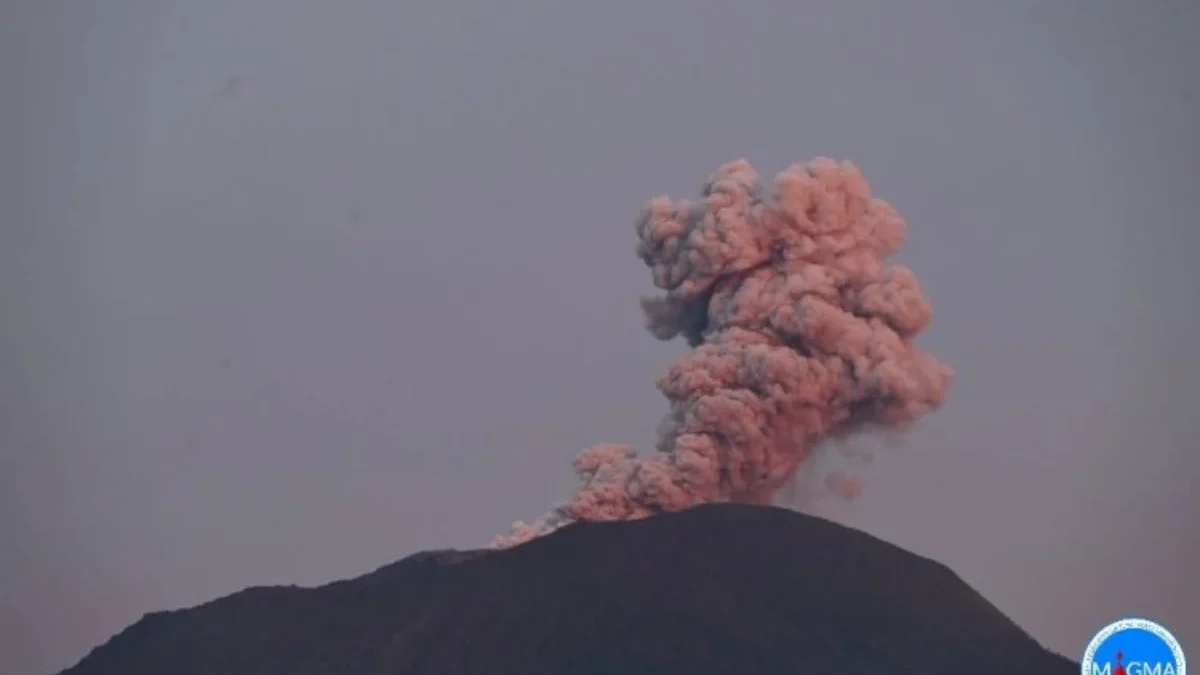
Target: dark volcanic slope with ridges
x,y
718,589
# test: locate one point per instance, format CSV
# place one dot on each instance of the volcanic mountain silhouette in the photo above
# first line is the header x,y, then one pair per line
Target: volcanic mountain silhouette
x,y
734,589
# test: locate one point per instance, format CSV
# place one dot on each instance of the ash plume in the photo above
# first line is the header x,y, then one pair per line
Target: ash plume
x,y
801,333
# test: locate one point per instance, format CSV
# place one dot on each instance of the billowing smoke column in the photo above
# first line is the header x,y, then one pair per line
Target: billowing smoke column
x,y
801,333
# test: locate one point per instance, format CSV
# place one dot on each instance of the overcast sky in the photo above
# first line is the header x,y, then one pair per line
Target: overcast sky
x,y
289,290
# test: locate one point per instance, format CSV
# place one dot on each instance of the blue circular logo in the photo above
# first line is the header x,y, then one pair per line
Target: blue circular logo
x,y
1134,647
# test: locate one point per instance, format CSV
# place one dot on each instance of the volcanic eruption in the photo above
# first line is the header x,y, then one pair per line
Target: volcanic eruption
x,y
674,562
801,332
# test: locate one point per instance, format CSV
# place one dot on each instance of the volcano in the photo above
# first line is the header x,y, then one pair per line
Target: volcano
x,y
716,589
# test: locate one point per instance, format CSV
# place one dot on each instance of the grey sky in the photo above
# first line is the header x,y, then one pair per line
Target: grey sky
x,y
289,290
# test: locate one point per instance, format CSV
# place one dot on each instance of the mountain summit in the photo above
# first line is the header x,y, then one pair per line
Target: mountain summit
x,y
717,589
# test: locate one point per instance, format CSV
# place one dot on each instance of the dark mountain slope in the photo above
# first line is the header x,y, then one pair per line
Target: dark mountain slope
x,y
717,589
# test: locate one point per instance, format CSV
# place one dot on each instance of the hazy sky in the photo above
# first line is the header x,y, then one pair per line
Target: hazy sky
x,y
289,290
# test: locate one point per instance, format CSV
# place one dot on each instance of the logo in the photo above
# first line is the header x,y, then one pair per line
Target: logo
x,y
1134,647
